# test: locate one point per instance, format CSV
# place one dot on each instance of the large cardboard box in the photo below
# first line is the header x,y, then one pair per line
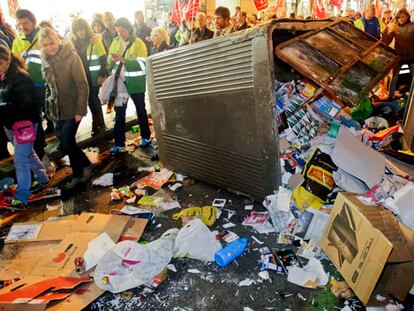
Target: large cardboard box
x,y
369,248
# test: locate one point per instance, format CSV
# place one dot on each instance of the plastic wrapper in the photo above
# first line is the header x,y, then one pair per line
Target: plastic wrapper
x,y
208,214
130,265
318,174
196,241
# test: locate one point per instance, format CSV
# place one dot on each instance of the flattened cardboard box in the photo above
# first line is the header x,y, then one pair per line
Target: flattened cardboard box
x,y
366,245
53,259
86,222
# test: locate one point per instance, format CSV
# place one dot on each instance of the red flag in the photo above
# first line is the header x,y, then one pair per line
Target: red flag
x,y
183,10
337,3
13,7
279,9
176,12
261,4
319,9
192,9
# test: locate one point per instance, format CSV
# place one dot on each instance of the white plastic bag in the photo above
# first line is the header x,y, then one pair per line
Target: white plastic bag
x,y
130,264
196,241
106,88
97,248
402,204
280,218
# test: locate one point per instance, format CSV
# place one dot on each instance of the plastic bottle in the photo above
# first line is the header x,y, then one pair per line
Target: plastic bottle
x,y
233,250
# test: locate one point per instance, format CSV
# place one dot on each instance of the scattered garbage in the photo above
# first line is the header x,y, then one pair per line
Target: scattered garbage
x,y
246,282
128,264
50,167
97,248
92,153
229,225
280,218
341,289
310,276
196,241
219,203
230,252
268,261
119,194
6,182
137,212
105,180
401,204
154,179
208,214
228,236
264,275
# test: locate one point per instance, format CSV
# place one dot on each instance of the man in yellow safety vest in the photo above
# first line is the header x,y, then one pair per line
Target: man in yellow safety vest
x,y
27,46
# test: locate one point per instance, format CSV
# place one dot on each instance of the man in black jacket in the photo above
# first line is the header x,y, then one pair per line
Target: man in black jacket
x,y
172,29
142,30
109,33
201,32
241,22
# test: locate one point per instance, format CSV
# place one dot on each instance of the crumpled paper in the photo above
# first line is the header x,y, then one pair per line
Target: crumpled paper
x,y
104,181
311,276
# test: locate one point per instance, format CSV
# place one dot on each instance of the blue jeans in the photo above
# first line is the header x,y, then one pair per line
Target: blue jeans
x,y
25,159
119,127
66,132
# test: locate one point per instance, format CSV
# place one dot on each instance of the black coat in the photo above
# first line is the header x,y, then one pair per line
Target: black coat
x,y
172,30
16,97
163,47
143,31
203,34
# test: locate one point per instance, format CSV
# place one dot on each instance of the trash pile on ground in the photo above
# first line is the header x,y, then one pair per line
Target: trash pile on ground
x,y
341,201
347,200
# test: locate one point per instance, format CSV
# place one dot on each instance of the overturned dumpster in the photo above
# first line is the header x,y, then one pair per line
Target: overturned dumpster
x,y
213,103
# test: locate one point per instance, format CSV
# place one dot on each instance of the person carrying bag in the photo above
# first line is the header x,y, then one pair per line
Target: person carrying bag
x,y
20,119
127,58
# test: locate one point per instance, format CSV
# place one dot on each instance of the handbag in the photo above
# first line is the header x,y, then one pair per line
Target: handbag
x,y
114,91
24,132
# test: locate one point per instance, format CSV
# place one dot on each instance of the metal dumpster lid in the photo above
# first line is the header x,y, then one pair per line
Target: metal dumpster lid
x,y
342,59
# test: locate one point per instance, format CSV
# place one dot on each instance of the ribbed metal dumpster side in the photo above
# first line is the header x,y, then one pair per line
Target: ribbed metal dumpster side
x,y
213,110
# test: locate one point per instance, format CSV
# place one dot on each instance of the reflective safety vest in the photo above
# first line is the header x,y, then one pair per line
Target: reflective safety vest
x,y
32,57
134,64
94,52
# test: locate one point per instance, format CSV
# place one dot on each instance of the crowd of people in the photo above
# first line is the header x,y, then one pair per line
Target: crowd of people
x,y
46,76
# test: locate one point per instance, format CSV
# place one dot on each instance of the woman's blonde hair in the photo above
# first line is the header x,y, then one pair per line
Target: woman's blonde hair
x,y
161,33
49,33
